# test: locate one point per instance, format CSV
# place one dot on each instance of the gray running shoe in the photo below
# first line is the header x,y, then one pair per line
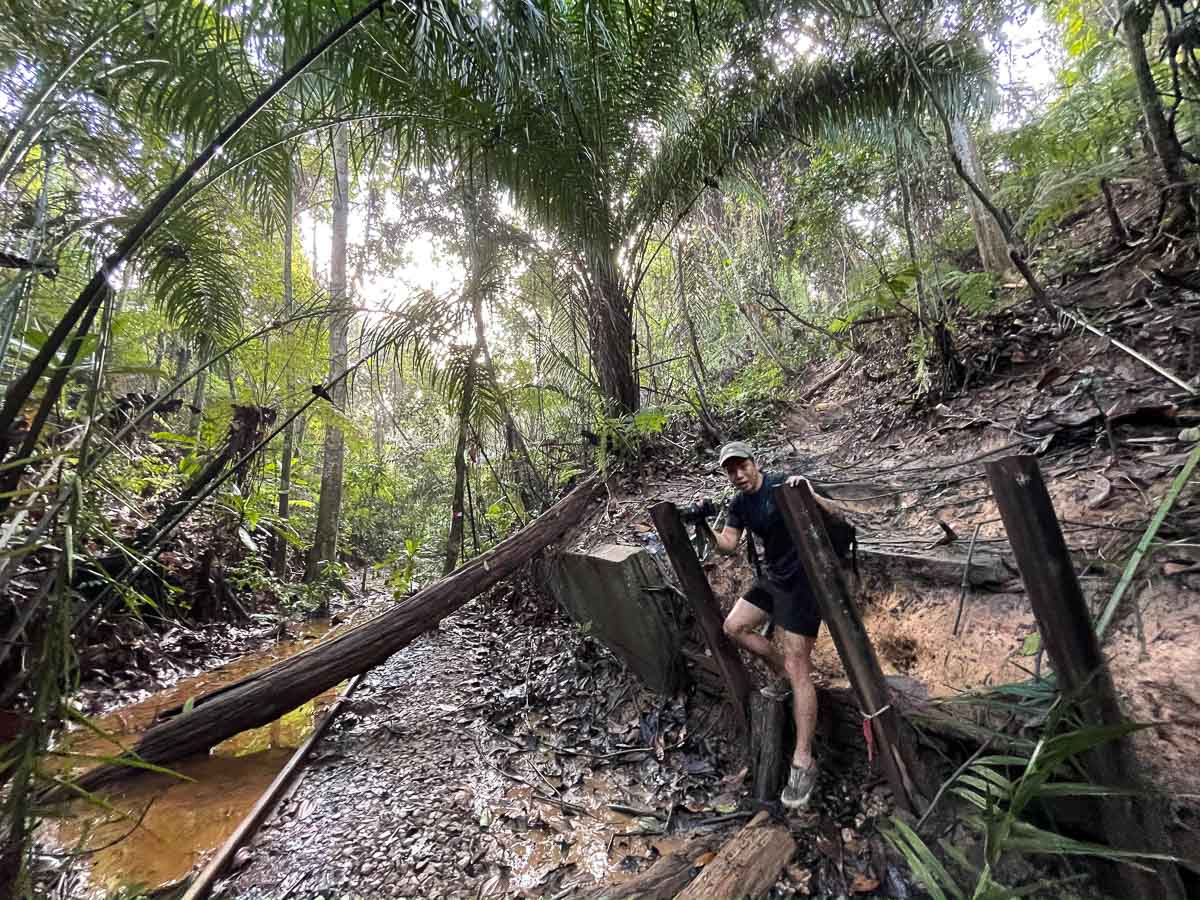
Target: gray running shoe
x,y
799,788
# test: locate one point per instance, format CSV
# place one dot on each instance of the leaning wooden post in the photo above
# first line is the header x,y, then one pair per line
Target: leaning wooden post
x,y
704,605
1079,667
892,735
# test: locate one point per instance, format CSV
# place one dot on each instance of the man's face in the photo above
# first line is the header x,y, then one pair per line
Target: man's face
x,y
743,473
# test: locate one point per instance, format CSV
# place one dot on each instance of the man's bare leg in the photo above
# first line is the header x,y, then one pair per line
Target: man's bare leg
x,y
797,663
742,626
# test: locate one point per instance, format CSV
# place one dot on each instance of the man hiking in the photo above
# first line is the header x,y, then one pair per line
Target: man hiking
x,y
782,592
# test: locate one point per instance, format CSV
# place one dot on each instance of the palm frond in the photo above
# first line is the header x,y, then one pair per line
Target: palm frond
x,y
863,97
193,271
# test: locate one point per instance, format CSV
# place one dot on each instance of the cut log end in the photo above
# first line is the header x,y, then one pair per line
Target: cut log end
x,y
747,865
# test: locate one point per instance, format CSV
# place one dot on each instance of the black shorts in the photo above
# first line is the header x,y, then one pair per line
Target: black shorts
x,y
791,604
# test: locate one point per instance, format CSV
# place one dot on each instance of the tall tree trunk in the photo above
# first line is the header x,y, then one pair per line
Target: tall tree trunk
x,y
455,538
160,346
180,359
708,421
515,440
324,548
610,322
762,340
196,418
478,259
905,190
687,315
993,249
1167,151
279,550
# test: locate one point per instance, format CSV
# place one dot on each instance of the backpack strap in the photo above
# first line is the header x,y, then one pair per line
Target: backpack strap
x,y
752,554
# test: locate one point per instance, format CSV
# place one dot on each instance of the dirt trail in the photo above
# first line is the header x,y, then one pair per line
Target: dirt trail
x,y
483,760
487,759
443,778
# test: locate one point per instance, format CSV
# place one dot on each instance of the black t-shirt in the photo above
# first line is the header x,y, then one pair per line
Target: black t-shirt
x,y
760,513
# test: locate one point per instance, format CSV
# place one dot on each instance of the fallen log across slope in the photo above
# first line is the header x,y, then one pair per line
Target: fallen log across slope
x,y
266,695
747,865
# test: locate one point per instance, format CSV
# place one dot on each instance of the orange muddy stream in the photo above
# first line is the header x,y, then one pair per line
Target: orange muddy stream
x,y
183,820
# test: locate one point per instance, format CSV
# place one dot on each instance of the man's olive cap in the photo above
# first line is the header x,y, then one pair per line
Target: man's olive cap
x,y
736,450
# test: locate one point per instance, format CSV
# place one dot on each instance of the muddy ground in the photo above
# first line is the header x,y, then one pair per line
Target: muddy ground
x,y
508,754
903,474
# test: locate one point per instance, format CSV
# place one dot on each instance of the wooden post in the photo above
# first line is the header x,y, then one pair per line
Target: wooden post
x,y
893,737
704,605
772,737
1066,631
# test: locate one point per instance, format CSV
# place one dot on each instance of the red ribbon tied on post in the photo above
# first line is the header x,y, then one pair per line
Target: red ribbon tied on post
x,y
868,732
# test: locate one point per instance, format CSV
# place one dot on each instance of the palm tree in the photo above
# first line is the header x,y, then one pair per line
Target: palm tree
x,y
605,121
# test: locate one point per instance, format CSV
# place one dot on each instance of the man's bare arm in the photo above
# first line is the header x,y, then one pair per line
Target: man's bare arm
x,y
727,541
796,480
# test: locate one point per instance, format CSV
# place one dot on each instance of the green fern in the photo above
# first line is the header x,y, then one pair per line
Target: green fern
x,y
976,291
1000,790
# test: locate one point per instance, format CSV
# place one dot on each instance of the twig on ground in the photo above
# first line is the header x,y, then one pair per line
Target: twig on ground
x,y
949,781
71,854
534,792
1141,628
966,580
1078,319
727,817
528,667
949,535
1108,428
614,754
541,775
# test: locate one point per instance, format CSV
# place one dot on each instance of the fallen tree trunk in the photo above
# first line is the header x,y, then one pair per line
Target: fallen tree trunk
x,y
666,877
747,865
965,725
266,695
825,382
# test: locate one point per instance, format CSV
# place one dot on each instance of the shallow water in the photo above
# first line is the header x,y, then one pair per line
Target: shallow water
x,y
180,820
